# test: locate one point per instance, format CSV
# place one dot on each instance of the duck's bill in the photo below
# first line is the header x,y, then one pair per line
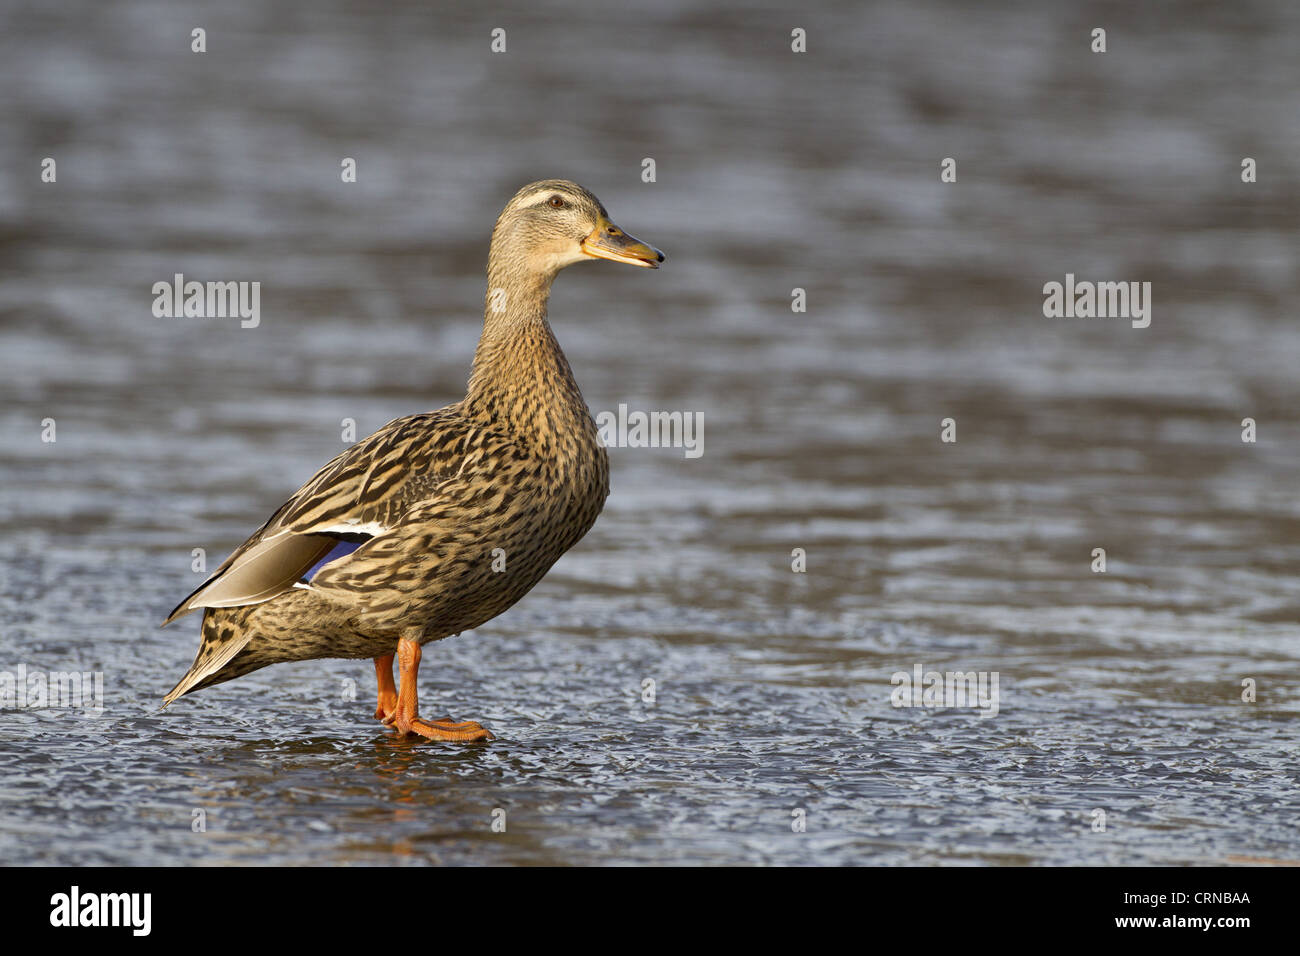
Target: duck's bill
x,y
607,241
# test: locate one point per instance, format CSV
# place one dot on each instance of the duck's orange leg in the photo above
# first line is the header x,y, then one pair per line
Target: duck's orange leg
x,y
387,690
406,715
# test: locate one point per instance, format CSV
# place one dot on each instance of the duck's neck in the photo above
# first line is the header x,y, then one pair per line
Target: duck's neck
x,y
521,380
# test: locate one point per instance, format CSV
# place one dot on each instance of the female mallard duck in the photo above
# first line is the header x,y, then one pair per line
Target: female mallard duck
x,y
394,543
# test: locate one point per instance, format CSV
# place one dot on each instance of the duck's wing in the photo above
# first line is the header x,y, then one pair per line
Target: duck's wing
x,y
357,496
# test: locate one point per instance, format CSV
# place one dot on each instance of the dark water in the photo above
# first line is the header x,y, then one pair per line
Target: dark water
x,y
1119,692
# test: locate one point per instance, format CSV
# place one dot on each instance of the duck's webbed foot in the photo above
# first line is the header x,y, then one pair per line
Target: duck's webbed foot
x,y
445,729
404,716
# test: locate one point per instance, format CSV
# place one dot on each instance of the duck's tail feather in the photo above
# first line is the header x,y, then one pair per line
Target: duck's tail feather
x,y
219,645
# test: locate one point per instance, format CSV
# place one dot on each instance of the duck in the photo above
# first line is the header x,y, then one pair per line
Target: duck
x,y
439,521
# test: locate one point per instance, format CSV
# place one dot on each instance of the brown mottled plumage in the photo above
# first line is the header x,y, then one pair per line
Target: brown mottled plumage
x,y
516,465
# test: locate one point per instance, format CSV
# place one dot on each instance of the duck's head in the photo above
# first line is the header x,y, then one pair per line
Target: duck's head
x,y
554,223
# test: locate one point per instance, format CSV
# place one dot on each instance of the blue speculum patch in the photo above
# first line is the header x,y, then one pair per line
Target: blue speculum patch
x,y
339,550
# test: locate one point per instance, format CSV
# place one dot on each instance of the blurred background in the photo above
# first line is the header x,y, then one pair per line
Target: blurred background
x,y
775,170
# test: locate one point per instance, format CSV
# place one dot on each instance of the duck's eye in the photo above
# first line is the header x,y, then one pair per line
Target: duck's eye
x,y
557,202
